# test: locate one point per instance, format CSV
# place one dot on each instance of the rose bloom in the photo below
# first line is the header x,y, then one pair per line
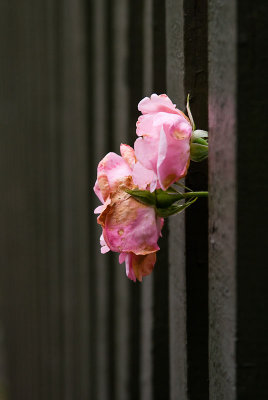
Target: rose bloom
x,y
163,146
128,226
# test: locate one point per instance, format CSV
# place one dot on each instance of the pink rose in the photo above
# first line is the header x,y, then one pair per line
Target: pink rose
x,y
164,143
129,227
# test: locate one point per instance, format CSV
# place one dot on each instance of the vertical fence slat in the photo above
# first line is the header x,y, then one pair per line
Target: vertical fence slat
x,y
146,347
75,221
177,278
120,98
222,174
53,187
134,82
161,376
100,263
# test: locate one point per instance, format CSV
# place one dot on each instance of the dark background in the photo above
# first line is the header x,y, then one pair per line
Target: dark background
x,y
72,326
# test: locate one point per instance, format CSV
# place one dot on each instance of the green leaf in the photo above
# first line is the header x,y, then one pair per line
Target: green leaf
x,y
182,186
198,152
199,140
174,208
143,196
165,199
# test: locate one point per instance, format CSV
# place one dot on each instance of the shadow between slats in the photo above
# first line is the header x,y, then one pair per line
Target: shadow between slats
x,y
195,83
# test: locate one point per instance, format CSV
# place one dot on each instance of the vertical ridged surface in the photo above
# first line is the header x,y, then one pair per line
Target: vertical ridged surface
x,y
222,201
177,278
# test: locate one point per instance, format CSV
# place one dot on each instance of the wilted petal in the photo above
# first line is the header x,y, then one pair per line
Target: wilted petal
x,y
101,208
129,226
138,266
128,154
111,170
143,265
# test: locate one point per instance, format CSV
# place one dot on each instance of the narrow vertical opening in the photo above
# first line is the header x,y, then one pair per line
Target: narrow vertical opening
x,y
196,83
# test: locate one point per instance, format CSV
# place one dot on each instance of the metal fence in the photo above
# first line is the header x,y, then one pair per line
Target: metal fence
x,y
72,325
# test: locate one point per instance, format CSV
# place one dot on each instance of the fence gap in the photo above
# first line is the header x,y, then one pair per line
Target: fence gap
x,y
195,83
252,273
161,374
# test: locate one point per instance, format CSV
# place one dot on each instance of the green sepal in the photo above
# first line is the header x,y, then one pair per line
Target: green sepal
x,y
199,141
143,196
166,199
199,133
198,152
174,209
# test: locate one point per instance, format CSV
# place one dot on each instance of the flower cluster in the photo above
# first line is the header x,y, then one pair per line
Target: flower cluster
x,y
132,186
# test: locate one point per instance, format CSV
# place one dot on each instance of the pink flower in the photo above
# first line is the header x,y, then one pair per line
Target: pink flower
x,y
164,143
129,227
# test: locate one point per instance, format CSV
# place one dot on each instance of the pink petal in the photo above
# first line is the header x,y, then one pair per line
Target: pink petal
x,y
142,177
98,191
129,270
145,125
131,227
160,223
146,150
128,154
153,185
122,257
138,266
143,265
101,208
112,169
150,124
104,247
174,154
156,103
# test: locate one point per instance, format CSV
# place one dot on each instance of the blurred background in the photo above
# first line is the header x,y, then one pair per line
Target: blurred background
x,y
72,326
